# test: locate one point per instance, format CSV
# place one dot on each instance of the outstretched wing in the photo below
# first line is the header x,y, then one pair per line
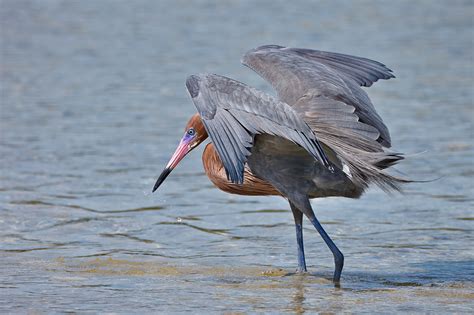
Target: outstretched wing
x,y
233,113
329,77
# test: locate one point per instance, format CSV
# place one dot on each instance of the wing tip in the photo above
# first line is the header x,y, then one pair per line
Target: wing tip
x,y
387,75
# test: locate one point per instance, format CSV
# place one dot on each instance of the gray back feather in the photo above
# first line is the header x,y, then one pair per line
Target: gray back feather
x,y
233,113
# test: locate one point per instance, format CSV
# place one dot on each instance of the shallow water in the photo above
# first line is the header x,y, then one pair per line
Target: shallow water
x,y
93,103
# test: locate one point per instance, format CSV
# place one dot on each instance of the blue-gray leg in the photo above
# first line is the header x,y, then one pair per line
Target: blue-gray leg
x,y
303,205
298,216
338,257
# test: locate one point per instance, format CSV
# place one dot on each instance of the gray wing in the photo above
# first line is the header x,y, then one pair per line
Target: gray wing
x,y
324,77
233,113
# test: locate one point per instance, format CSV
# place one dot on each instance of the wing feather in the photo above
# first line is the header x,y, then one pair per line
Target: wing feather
x,y
296,72
233,113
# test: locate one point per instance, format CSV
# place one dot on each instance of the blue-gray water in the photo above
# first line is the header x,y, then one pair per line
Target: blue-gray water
x,y
93,104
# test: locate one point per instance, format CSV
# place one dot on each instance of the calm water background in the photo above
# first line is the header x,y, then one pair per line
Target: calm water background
x,y
93,104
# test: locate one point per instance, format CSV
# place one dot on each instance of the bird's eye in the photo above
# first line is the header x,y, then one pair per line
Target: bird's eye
x,y
191,132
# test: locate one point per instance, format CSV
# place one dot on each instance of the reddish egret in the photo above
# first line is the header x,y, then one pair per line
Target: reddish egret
x,y
321,137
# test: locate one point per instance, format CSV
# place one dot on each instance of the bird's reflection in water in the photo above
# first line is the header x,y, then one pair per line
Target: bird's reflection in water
x,y
302,284
299,288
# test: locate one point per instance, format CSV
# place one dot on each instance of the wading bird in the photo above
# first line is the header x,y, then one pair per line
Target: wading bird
x,y
321,137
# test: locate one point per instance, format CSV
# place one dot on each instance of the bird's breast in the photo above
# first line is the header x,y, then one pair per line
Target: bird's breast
x,y
252,186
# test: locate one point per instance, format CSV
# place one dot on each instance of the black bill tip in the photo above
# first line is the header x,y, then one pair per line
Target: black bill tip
x,y
162,177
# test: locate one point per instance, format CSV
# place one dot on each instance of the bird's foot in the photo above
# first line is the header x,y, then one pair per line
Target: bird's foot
x,y
301,270
337,280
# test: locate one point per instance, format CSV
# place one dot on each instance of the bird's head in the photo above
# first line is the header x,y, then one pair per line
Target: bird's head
x,y
194,134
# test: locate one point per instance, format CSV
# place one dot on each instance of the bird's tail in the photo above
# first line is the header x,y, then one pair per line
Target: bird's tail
x,y
366,159
371,167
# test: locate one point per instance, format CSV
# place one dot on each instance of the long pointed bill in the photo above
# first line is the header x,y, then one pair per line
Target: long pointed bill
x,y
181,151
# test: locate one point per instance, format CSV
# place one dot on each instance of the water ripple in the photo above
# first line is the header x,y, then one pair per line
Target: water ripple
x,y
223,232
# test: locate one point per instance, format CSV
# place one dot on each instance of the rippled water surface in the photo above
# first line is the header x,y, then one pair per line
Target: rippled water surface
x,y
93,103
